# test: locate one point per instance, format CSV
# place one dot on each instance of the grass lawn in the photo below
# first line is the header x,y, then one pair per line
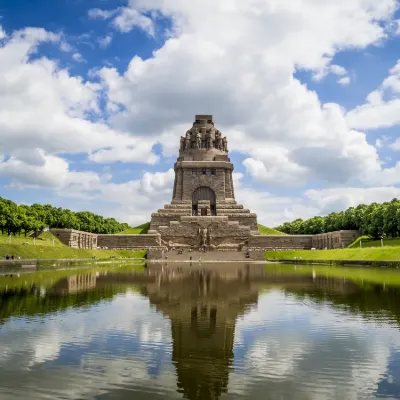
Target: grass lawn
x,y
264,230
45,239
389,253
367,242
139,230
44,249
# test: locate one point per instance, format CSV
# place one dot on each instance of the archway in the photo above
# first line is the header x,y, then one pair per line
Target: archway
x,y
203,193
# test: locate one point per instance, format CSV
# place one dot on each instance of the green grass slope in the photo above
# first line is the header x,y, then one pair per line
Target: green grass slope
x,y
139,230
44,249
264,230
368,243
389,253
45,239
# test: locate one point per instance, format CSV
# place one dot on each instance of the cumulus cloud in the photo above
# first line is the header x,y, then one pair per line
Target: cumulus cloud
x,y
129,18
238,59
338,199
345,81
97,13
78,57
378,112
44,107
105,41
248,81
2,33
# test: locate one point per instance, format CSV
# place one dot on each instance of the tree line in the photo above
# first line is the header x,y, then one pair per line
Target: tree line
x,y
15,219
375,219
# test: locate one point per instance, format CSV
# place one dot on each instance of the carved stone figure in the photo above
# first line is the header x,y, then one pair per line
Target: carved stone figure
x,y
218,140
204,237
225,144
198,140
209,140
188,140
182,146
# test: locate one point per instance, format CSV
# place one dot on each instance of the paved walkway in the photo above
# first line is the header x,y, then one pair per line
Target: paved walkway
x,y
207,256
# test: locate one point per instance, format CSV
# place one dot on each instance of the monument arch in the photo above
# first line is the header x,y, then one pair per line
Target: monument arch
x,y
203,193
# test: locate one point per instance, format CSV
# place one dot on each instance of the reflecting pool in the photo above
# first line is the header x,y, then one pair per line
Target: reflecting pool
x,y
225,331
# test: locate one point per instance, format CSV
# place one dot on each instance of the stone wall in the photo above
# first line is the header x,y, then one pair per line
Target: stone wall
x,y
76,239
190,175
221,232
334,240
331,240
129,242
280,242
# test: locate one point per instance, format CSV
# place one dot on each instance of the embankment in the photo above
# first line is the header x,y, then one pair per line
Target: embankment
x,y
38,252
383,256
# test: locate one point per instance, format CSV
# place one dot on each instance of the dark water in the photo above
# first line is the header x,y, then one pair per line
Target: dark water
x,y
222,332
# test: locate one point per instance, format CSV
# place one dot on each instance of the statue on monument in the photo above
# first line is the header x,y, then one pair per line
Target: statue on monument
x,y
198,140
209,140
203,233
182,146
225,144
188,139
218,140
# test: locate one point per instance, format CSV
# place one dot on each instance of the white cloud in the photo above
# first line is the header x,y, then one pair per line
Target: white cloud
x,y
39,98
105,41
248,84
329,69
339,199
96,13
377,112
338,70
3,34
129,18
236,59
33,168
345,81
78,57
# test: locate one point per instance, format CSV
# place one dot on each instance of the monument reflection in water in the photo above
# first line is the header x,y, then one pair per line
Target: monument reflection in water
x,y
204,306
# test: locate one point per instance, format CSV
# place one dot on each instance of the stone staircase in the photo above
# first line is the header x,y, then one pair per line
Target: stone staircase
x,y
198,256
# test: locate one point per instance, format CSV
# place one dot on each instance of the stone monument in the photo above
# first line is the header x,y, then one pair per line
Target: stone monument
x,y
203,212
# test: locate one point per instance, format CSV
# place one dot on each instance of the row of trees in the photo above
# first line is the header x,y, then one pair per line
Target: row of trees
x,y
15,219
375,219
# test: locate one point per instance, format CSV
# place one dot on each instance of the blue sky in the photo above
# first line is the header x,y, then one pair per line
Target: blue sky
x,y
96,94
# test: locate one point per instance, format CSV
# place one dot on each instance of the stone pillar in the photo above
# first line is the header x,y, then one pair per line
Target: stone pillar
x,y
174,191
179,184
231,180
228,185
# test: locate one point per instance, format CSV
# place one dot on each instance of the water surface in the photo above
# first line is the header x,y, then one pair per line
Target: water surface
x,y
208,332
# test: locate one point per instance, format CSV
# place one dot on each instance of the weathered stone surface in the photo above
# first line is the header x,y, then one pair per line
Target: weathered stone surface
x,y
334,240
76,239
203,211
129,242
203,188
281,242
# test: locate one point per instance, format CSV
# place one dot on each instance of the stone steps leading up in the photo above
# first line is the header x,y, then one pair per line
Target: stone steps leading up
x,y
216,255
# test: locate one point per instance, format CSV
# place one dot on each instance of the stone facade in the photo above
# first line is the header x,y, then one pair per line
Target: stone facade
x,y
203,200
331,240
76,239
203,212
281,242
334,240
129,242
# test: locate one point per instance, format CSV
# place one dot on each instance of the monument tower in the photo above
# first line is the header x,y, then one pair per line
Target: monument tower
x,y
203,211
